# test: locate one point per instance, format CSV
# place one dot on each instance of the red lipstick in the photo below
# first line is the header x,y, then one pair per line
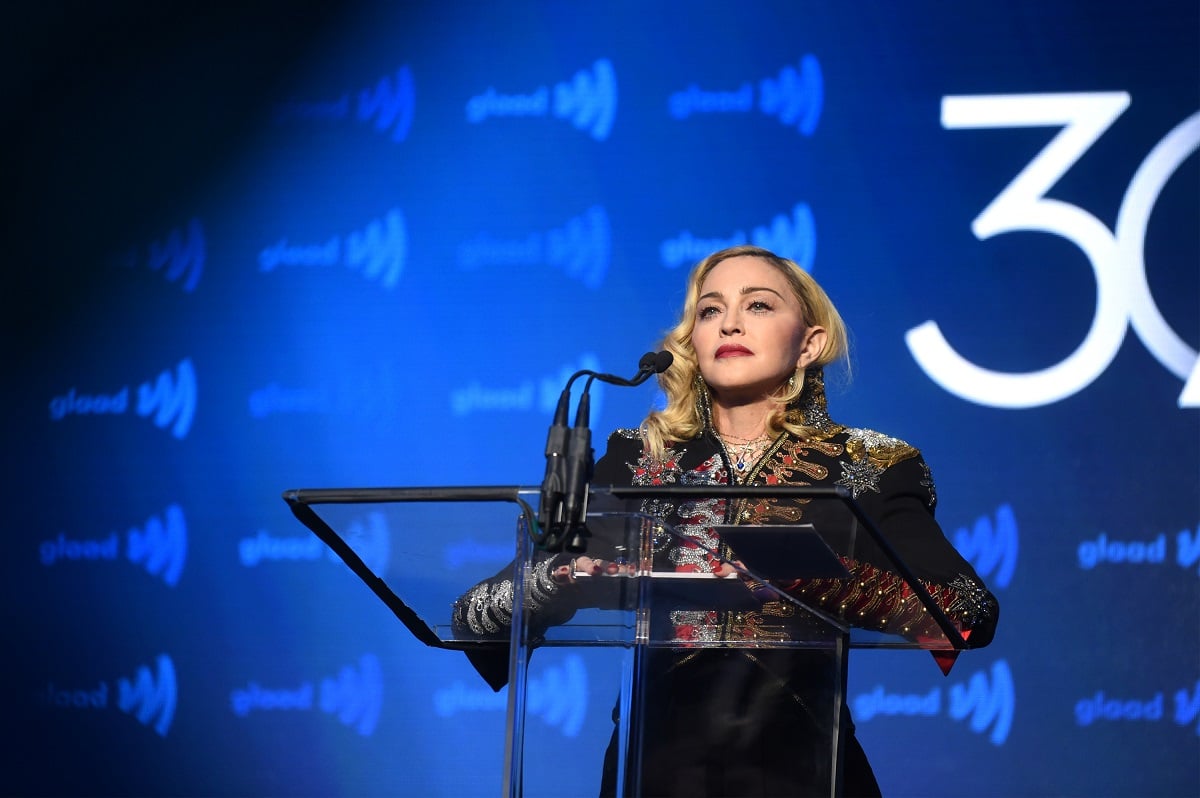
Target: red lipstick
x,y
732,350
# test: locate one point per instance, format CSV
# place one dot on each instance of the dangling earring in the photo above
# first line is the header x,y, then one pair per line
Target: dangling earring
x,y
703,400
792,382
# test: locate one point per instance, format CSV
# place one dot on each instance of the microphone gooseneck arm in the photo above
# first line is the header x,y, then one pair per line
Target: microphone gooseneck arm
x,y
570,459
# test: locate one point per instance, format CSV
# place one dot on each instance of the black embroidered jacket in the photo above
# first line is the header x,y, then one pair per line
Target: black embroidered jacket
x,y
887,477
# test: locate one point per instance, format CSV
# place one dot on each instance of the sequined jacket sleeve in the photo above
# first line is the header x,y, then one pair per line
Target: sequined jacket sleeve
x,y
486,610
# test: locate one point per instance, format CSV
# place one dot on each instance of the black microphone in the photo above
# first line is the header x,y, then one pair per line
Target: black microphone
x,y
651,363
555,479
580,463
580,459
554,482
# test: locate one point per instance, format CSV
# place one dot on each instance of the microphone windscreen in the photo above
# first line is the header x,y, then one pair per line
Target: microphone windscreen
x,y
649,362
662,361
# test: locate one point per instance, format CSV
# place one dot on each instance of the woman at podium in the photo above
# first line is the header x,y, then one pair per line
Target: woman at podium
x,y
745,404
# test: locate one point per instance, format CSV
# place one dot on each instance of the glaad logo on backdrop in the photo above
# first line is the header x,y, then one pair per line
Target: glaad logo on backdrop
x,y
368,536
150,697
160,546
558,695
541,396
354,696
1187,707
275,399
388,105
1153,551
588,101
581,249
170,400
180,256
378,251
1117,257
1101,708
795,97
368,392
986,702
991,546
793,237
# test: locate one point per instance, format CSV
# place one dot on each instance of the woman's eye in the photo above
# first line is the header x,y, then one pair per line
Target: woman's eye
x,y
707,312
759,306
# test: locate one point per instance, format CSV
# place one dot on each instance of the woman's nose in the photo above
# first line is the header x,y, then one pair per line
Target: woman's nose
x,y
731,322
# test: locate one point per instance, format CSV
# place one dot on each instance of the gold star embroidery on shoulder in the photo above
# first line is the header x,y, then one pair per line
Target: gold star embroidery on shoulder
x,y
882,450
824,433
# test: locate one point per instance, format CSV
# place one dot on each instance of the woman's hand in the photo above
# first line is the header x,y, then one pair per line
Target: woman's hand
x,y
726,568
587,566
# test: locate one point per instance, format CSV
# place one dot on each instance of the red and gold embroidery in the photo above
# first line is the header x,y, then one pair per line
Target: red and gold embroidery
x,y
782,467
876,599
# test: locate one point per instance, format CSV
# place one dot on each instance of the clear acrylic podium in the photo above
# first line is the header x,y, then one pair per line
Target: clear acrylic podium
x,y
637,629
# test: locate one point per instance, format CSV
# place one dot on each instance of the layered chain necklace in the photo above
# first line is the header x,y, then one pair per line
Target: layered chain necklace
x,y
744,452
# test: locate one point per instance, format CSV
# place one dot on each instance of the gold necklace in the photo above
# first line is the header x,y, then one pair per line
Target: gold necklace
x,y
747,451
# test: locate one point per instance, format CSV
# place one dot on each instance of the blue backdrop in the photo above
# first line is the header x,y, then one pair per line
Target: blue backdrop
x,y
298,246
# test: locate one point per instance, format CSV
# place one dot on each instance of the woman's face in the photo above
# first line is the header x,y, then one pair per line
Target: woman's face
x,y
749,333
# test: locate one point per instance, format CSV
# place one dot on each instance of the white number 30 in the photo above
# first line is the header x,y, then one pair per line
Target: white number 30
x,y
1118,260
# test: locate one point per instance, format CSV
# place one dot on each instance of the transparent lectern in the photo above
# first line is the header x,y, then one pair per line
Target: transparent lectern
x,y
712,677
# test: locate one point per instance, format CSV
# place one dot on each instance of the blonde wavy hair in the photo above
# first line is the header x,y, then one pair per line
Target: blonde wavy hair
x,y
681,419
